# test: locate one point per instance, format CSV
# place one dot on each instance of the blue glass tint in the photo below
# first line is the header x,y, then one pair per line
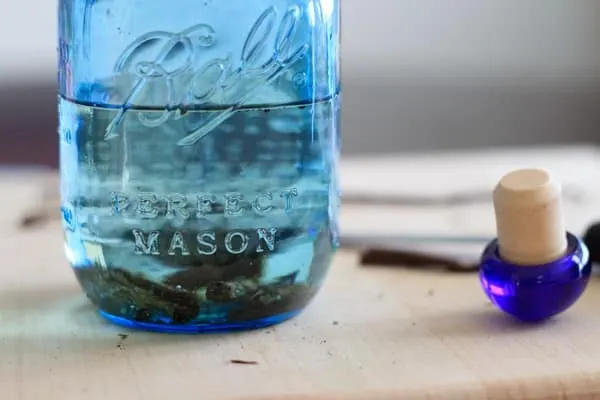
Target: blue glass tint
x,y
198,154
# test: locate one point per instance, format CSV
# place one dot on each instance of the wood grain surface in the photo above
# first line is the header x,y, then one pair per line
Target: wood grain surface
x,y
371,334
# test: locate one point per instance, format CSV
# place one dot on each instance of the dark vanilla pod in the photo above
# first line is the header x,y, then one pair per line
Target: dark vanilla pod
x,y
591,238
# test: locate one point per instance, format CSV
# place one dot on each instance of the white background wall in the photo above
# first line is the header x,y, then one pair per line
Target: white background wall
x,y
506,38
417,74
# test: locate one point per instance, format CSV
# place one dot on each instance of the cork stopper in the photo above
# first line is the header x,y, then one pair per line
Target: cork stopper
x,y
529,218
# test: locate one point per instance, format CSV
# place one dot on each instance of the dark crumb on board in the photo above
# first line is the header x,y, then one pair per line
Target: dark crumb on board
x,y
335,323
323,341
31,220
122,337
243,362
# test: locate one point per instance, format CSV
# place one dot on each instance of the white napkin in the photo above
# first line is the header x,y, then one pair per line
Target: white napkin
x,y
439,175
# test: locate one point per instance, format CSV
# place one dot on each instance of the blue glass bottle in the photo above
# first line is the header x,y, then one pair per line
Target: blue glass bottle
x,y
536,293
199,142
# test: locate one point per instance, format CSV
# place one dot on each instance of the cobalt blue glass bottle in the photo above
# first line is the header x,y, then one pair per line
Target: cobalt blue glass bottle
x,y
535,269
198,153
536,293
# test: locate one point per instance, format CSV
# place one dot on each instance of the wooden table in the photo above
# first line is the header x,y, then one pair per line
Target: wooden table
x,y
372,333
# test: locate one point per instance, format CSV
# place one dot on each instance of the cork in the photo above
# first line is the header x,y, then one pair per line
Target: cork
x,y
529,218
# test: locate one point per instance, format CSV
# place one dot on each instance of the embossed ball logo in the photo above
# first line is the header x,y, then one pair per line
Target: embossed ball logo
x,y
269,50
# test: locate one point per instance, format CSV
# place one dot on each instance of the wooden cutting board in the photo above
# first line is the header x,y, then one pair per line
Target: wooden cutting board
x,y
372,333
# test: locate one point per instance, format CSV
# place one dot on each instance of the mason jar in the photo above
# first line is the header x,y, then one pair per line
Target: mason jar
x,y
199,142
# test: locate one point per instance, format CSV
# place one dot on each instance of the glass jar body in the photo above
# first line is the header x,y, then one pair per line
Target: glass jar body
x,y
198,153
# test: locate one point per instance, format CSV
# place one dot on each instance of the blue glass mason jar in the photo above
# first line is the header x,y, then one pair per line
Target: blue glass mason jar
x,y
198,148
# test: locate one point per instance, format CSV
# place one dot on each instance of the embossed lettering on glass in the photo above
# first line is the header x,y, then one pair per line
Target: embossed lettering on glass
x,y
199,143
